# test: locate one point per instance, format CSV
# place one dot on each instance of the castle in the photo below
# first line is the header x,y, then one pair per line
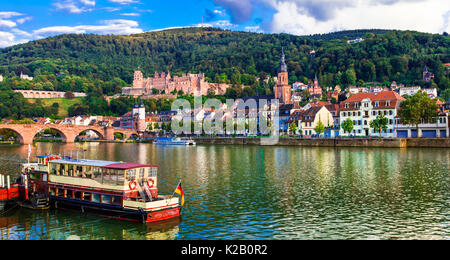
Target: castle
x,y
164,83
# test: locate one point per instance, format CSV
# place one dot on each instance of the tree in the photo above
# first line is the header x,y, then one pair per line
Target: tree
x,y
320,128
417,109
347,125
293,128
69,95
380,123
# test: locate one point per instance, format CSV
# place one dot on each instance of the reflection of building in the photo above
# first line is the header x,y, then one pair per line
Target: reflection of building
x,y
164,83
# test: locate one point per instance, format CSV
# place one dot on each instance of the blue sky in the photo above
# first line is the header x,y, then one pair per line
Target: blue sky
x,y
25,20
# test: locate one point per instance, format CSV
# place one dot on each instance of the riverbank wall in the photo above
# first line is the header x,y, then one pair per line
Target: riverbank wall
x,y
332,142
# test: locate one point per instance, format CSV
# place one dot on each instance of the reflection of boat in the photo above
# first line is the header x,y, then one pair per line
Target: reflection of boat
x,y
9,194
174,141
118,190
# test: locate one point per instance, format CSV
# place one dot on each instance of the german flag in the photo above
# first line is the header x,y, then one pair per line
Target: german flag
x,y
179,191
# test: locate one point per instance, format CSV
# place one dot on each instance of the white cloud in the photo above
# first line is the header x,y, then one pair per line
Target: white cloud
x,y
9,39
131,14
124,2
24,20
7,15
119,26
7,24
424,16
74,6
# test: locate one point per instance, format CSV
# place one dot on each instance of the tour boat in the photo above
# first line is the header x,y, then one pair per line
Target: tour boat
x,y
9,193
126,191
174,141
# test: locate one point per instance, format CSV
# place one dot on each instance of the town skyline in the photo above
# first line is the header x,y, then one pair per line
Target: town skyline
x,y
23,20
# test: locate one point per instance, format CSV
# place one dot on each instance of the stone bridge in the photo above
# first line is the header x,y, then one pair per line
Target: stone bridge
x,y
26,133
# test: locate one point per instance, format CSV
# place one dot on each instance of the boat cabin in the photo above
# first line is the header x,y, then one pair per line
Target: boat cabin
x,y
98,181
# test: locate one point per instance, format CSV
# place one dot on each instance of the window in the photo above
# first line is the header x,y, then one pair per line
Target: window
x,y
346,105
87,196
96,197
61,193
152,172
131,175
376,103
78,195
106,199
117,200
390,112
141,173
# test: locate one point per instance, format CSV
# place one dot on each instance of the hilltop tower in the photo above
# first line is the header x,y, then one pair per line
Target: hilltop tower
x,y
282,89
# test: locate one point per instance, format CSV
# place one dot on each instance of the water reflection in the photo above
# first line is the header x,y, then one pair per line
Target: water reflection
x,y
253,192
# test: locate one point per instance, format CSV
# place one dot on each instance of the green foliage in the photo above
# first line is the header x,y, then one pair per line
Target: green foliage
x,y
417,109
347,125
293,128
320,128
379,124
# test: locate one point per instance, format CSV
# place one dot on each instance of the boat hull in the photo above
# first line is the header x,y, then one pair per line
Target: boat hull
x,y
8,197
116,211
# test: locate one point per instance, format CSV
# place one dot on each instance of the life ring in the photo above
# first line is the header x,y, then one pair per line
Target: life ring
x,y
152,183
132,185
27,170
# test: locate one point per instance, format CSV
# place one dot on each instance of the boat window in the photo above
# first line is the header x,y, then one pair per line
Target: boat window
x,y
152,172
131,175
69,194
87,196
106,199
71,170
51,191
79,172
141,173
78,195
117,200
60,192
96,197
53,169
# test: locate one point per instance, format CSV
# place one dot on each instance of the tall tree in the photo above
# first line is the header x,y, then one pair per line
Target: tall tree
x,y
418,109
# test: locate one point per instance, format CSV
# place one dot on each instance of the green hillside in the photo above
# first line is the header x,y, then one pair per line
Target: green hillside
x,y
103,65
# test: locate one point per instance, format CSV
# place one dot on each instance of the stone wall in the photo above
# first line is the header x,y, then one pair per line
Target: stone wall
x,y
338,142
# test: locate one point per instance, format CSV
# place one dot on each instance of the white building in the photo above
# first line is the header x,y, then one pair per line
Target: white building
x,y
25,77
438,127
431,92
410,91
363,108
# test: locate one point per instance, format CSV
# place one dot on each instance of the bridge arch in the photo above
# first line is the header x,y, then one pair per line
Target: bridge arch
x,y
96,131
20,137
59,131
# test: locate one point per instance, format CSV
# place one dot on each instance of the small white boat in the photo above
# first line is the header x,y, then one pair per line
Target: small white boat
x,y
174,141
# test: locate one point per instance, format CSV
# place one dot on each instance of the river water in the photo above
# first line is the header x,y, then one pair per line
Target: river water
x,y
270,192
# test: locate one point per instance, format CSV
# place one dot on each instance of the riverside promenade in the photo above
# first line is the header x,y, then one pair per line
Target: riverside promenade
x,y
332,142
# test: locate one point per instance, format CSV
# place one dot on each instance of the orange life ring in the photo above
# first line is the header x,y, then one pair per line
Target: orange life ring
x,y
132,185
148,183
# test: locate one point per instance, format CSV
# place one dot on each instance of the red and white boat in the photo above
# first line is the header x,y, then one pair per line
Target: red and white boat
x,y
126,191
9,193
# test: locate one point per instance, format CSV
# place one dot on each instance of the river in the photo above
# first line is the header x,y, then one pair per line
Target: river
x,y
262,192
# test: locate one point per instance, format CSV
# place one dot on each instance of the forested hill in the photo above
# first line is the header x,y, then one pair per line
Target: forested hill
x,y
227,55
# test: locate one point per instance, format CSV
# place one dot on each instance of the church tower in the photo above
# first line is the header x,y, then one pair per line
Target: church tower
x,y
282,89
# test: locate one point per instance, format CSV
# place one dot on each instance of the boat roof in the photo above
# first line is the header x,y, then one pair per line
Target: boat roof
x,y
103,164
84,162
45,155
127,166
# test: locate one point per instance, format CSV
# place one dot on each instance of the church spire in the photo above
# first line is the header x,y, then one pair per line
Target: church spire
x,y
283,66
